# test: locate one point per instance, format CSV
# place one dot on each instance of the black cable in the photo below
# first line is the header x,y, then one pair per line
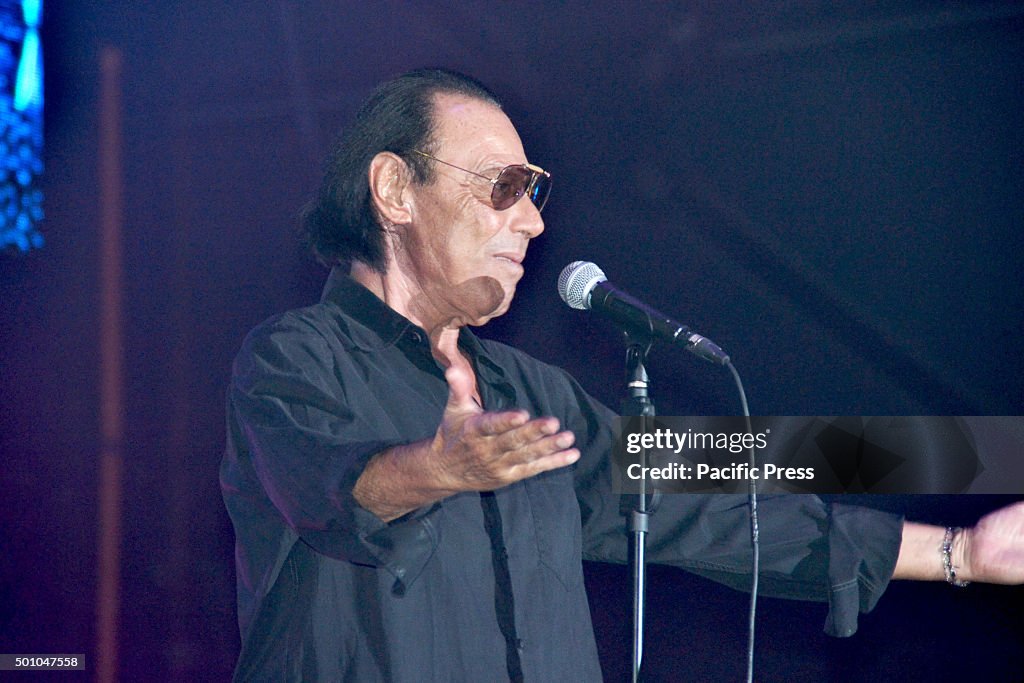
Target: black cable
x,y
756,565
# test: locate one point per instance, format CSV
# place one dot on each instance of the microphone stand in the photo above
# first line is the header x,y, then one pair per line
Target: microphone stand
x,y
638,403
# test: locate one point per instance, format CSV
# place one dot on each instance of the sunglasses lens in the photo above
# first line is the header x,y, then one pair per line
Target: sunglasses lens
x,y
515,181
540,191
509,186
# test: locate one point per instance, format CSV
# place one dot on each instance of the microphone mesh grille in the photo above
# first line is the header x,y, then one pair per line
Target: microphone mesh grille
x,y
576,282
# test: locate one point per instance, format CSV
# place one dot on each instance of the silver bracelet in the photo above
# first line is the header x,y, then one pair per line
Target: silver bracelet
x,y
947,558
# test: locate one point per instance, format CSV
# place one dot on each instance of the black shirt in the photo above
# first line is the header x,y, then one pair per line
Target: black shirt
x,y
477,587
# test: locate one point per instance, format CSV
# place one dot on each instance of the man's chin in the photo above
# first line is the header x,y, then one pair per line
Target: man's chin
x,y
500,310
484,298
497,313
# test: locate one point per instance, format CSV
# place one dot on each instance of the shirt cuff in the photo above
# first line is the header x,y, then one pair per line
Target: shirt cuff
x,y
860,564
403,546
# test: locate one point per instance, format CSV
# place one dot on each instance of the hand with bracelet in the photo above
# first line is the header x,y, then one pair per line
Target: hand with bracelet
x,y
992,551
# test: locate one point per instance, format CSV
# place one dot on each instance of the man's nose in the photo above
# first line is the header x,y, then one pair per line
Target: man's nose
x,y
527,219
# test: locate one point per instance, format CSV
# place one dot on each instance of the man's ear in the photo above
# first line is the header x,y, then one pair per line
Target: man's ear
x,y
389,178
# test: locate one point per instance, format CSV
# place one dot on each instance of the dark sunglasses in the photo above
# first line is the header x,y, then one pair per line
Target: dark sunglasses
x,y
512,183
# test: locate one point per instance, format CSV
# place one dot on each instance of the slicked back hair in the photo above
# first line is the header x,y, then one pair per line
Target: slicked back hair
x,y
341,223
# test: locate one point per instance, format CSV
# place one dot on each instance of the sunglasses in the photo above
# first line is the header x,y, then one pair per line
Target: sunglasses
x,y
512,183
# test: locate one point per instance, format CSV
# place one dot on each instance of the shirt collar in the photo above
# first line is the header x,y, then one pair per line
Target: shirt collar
x,y
379,325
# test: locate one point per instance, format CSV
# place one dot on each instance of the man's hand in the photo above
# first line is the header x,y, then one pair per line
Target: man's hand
x,y
478,451
472,451
993,550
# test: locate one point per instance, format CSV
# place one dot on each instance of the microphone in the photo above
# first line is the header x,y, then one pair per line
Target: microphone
x,y
584,286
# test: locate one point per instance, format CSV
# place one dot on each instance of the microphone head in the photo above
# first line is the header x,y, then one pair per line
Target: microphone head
x,y
577,281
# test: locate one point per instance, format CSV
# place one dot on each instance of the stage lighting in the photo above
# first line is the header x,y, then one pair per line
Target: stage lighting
x,y
21,125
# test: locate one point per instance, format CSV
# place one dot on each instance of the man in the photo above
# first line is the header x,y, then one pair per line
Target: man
x,y
412,503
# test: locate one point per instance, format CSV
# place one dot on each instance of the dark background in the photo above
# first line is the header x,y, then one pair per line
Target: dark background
x,y
831,191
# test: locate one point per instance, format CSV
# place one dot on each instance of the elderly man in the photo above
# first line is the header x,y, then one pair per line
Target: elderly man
x,y
412,503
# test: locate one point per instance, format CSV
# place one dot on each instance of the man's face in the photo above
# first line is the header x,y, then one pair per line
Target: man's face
x,y
464,256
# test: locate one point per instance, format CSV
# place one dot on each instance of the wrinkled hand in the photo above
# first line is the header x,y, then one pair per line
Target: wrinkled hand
x,y
471,451
993,550
475,450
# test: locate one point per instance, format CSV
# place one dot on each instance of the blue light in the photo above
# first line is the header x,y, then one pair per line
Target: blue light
x,y
28,91
21,124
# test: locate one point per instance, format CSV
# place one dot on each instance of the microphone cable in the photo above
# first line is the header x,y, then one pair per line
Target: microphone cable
x,y
754,540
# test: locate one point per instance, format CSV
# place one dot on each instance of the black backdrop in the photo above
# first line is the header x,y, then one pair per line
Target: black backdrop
x,y
831,191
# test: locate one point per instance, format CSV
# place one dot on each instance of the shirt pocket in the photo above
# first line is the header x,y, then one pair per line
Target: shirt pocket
x,y
556,520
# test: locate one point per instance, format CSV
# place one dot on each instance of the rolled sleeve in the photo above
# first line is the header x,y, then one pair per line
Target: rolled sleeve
x,y
863,547
304,442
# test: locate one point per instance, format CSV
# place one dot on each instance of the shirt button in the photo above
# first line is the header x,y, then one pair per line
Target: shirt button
x,y
519,644
416,336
